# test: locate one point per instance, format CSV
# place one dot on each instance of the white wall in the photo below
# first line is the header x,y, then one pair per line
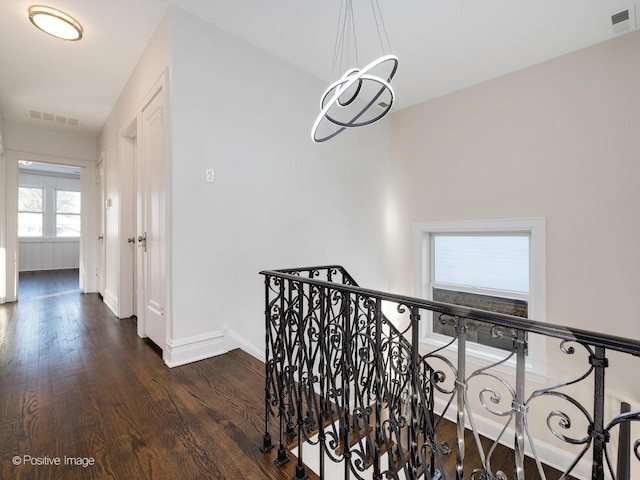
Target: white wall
x,y
559,140
55,143
49,254
27,142
119,216
278,199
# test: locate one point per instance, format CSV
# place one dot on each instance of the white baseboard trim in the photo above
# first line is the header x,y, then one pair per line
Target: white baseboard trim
x,y
233,340
111,301
192,349
548,454
199,347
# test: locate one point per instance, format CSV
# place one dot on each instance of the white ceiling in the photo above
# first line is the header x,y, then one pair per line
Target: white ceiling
x,y
443,45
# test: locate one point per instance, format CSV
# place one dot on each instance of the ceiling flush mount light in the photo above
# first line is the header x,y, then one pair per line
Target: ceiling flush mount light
x,y
361,96
55,23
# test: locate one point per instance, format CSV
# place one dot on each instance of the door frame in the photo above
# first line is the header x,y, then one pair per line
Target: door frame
x,y
4,279
130,158
89,229
101,185
127,255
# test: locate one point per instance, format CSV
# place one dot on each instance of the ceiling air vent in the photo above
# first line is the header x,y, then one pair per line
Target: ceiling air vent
x,y
50,117
623,21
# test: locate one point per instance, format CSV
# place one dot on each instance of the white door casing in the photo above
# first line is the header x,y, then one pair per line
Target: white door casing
x,y
151,218
100,251
3,226
137,227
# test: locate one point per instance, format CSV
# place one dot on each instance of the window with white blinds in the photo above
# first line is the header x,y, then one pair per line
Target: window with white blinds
x,y
495,265
489,271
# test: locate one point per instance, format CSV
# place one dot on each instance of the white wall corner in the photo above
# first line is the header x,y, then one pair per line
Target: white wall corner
x,y
192,349
233,340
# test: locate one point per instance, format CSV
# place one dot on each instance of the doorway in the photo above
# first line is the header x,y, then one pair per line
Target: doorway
x,y
49,228
129,224
63,220
142,272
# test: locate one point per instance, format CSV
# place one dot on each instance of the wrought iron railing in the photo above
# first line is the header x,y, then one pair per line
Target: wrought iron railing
x,y
347,385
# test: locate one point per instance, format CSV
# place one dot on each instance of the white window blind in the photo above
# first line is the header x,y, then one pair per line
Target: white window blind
x,y
496,262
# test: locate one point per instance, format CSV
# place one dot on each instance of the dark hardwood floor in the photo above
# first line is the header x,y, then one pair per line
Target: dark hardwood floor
x,y
77,382
40,284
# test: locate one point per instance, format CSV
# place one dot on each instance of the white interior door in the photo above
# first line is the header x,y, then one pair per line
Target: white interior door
x,y
151,140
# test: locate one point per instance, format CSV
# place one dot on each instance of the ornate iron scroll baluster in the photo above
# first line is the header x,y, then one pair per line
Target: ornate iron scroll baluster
x,y
267,442
519,407
323,299
623,420
461,393
336,366
301,473
415,387
379,378
345,367
597,431
281,358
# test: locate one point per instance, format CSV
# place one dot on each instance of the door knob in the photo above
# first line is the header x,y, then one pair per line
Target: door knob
x,y
100,237
142,241
131,240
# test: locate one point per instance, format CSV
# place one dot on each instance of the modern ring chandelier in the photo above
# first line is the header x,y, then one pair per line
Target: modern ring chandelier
x,y
361,96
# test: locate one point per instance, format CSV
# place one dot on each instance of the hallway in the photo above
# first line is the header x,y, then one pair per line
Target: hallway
x,y
79,387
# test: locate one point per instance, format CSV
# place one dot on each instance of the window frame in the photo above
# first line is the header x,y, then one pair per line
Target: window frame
x,y
535,228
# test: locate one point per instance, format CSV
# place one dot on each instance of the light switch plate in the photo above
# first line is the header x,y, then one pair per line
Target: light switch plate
x,y
208,175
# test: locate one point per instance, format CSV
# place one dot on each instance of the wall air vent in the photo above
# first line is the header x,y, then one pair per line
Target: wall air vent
x,y
50,117
623,21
